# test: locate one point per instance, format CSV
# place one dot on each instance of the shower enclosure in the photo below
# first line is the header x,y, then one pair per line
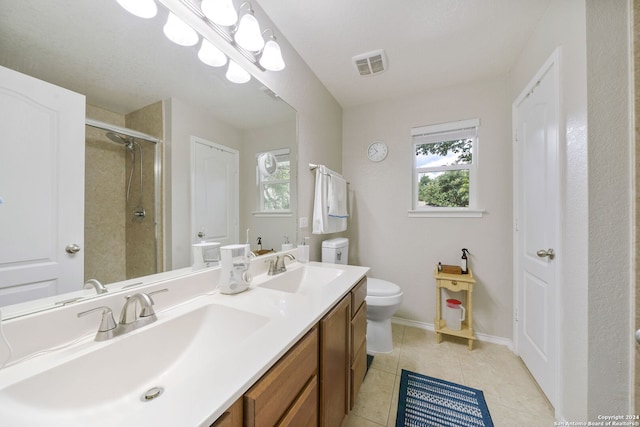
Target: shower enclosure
x,y
121,203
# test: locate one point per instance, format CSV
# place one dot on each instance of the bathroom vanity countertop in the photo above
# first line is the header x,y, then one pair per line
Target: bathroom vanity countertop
x,y
198,388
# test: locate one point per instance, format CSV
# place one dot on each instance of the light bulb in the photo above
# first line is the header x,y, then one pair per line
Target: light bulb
x,y
221,12
248,34
211,55
140,8
236,73
271,58
179,32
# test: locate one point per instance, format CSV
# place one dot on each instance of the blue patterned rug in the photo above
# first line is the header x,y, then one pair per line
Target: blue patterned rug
x,y
430,402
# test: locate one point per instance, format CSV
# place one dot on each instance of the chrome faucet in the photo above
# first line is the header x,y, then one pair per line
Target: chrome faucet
x,y
277,266
95,284
109,328
129,321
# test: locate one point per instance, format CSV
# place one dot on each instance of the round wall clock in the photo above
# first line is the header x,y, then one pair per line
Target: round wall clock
x,y
377,151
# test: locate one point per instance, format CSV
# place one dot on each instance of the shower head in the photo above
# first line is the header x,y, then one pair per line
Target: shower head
x,y
127,141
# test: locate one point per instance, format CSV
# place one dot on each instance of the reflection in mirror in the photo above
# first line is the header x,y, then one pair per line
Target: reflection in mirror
x,y
133,77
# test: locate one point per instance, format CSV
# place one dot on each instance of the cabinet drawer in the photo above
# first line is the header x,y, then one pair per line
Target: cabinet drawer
x,y
358,370
454,285
358,330
268,400
304,411
358,295
232,416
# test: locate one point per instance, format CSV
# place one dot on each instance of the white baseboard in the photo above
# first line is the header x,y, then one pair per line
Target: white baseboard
x,y
431,327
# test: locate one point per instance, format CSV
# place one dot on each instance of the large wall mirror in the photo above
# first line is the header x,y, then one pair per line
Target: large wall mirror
x,y
135,78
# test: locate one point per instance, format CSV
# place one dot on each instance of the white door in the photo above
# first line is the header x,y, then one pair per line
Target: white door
x,y
214,194
41,188
536,196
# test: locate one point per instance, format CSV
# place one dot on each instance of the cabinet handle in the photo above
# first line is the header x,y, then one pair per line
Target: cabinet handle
x,y
454,282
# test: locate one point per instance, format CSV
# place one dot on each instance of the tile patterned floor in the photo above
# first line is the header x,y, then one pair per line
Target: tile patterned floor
x,y
512,395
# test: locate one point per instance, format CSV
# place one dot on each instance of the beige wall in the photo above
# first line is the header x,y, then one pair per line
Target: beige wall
x,y
636,69
319,125
406,250
596,229
181,122
272,229
563,25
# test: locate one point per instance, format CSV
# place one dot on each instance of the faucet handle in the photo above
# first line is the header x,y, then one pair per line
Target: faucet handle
x,y
148,310
107,324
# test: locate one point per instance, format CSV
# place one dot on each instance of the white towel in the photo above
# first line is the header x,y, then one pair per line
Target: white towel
x,y
322,222
337,196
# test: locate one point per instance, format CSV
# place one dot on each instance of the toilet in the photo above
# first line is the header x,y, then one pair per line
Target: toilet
x,y
383,299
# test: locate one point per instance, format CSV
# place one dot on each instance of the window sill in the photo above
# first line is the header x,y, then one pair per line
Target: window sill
x,y
447,213
274,214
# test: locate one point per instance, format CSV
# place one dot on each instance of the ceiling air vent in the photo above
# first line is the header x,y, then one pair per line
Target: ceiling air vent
x,y
371,63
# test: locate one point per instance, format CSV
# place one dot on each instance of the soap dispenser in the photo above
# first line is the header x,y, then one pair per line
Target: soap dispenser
x,y
303,250
464,262
286,246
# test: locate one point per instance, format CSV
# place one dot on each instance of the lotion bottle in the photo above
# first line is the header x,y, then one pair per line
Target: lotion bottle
x,y
464,261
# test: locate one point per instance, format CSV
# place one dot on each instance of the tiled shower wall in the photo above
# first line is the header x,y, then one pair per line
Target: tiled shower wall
x,y
117,245
144,254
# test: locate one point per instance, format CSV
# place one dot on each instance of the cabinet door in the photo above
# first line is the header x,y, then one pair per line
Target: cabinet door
x,y
232,416
272,396
358,351
335,360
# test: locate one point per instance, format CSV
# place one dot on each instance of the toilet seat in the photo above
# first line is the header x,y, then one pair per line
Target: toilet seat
x,y
381,288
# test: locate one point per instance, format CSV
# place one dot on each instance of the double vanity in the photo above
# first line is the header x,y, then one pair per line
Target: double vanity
x,y
289,350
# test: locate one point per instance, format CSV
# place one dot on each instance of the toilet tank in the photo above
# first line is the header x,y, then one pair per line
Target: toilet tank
x,y
335,251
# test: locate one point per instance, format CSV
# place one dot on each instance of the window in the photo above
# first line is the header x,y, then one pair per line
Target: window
x,y
275,188
444,165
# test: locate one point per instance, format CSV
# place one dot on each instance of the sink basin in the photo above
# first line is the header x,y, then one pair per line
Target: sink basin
x,y
120,371
301,279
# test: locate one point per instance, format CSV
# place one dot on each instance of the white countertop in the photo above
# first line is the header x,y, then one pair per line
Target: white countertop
x,y
200,388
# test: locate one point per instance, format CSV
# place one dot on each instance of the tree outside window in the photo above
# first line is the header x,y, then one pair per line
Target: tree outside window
x,y
437,186
444,166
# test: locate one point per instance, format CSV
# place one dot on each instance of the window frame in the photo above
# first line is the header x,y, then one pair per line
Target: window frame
x,y
462,129
260,184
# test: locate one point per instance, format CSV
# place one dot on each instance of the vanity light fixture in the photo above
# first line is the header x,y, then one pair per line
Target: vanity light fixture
x,y
140,8
211,55
179,32
271,58
247,33
222,18
220,12
237,74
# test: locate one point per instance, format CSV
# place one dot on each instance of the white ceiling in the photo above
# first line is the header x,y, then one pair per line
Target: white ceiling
x,y
429,43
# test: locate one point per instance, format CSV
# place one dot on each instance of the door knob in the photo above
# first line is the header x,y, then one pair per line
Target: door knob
x,y
548,253
72,248
638,336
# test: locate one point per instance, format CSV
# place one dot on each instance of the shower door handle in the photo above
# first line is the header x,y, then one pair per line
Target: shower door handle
x,y
72,248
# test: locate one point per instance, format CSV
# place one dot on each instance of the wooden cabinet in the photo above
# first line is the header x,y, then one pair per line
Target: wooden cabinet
x,y
317,381
287,394
232,416
343,355
455,283
335,335
358,343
